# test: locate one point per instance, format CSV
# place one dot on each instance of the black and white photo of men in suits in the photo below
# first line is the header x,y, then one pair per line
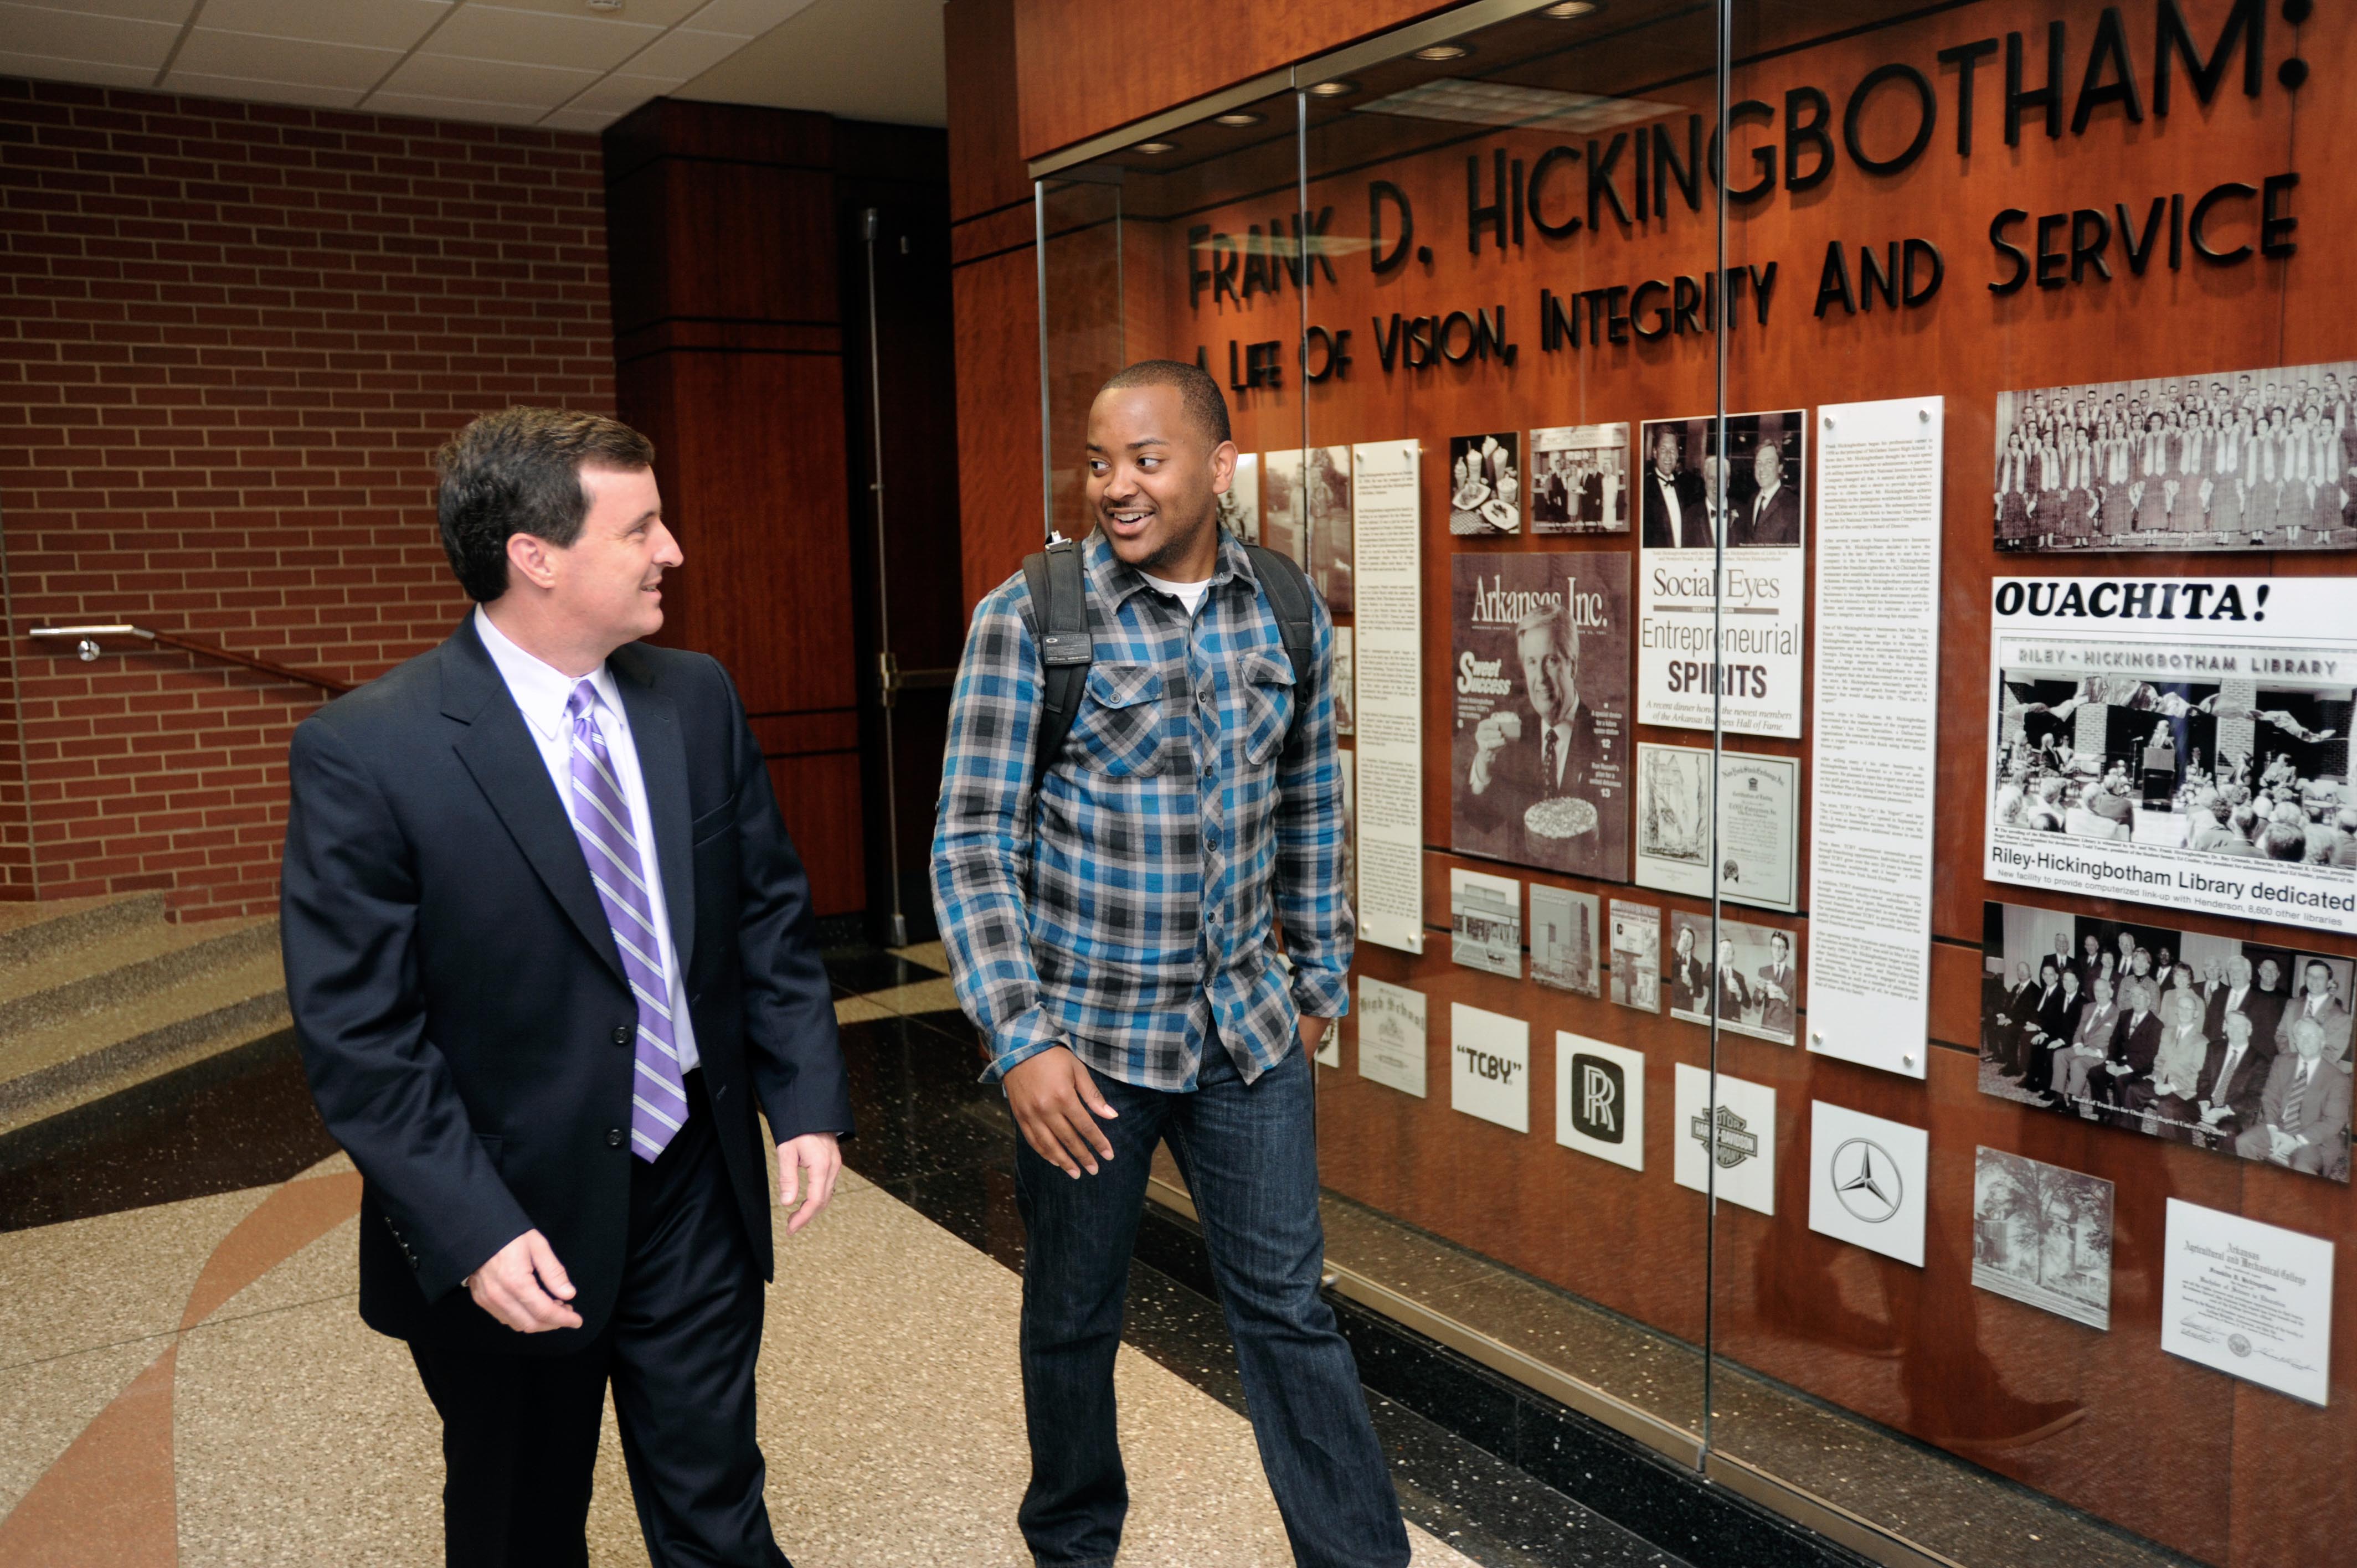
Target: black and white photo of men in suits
x,y
1752,492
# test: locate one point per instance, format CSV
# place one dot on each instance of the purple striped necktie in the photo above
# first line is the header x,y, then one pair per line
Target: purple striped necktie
x,y
601,819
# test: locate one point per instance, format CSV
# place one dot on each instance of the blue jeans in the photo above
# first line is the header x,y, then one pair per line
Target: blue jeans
x,y
1249,1155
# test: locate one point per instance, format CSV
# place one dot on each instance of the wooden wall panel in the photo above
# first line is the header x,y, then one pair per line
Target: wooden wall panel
x,y
818,795
997,302
1062,47
726,304
985,137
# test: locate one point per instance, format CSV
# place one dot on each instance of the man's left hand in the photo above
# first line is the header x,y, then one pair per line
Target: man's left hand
x,y
1313,1032
819,1153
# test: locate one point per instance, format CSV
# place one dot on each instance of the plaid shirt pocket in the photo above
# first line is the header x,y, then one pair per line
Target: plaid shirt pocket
x,y
1119,729
1269,703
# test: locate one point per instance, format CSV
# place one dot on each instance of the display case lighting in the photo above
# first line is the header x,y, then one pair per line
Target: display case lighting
x,y
1334,89
1239,117
1154,148
1444,51
1568,9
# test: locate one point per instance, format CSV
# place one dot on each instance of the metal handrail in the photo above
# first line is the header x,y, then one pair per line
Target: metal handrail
x,y
89,640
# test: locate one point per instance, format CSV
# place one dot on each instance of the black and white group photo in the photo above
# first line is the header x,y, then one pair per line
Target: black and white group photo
x,y
2233,769
2234,460
1692,496
1748,976
2238,1046
1579,479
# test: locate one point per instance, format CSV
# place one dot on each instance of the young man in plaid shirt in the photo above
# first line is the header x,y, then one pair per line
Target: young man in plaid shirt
x,y
1110,926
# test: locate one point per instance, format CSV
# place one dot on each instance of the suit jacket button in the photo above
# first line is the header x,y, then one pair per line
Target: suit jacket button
x,y
613,1137
621,1034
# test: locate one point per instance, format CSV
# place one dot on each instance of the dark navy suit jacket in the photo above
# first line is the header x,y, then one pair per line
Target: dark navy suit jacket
x,y
462,1009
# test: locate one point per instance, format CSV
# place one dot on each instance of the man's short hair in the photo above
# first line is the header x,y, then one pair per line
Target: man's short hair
x,y
518,471
1558,628
2283,842
1198,392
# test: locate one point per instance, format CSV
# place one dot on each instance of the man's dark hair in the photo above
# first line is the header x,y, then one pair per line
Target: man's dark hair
x,y
1197,392
518,471
2283,842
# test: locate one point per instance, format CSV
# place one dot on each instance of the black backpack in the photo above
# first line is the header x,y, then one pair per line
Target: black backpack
x,y
1060,599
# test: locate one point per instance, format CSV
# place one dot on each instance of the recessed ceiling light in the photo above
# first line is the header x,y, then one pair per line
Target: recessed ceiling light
x,y
1334,89
1569,10
604,4
1444,51
1152,147
1238,117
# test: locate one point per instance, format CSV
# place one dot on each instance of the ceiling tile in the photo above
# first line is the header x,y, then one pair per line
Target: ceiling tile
x,y
828,59
684,54
578,120
588,42
745,18
426,107
78,35
378,25
487,81
97,73
173,11
248,89
212,52
660,13
618,94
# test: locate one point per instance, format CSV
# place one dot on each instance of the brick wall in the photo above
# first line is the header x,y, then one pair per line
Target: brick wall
x,y
230,335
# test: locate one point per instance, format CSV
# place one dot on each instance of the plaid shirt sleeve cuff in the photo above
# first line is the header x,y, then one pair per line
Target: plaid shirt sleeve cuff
x,y
1019,1039
1321,992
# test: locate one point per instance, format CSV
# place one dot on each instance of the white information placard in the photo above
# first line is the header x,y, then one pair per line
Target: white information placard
x,y
1389,708
2249,1299
1867,1177
1489,1075
1599,1100
1876,695
1392,1035
1741,1138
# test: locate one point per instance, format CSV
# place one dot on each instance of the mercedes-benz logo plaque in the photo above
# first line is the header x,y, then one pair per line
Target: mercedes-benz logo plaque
x,y
1867,1178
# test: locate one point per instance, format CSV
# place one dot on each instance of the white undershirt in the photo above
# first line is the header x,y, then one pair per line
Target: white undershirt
x,y
541,691
1188,593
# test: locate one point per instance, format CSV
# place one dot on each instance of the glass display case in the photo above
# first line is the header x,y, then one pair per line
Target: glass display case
x,y
1838,520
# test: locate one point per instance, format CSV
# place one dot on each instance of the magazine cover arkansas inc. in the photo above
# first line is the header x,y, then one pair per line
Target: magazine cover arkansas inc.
x,y
1539,761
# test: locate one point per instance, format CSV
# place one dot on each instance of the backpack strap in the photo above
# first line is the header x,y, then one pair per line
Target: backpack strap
x,y
1288,594
1060,609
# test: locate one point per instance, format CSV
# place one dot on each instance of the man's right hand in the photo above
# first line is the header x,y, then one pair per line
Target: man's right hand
x,y
1054,1098
1488,735
525,1287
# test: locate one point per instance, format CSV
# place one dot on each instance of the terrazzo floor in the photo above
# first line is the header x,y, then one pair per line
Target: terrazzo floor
x,y
186,1381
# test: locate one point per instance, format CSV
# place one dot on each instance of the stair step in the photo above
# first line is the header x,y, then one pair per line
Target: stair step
x,y
72,1061
29,931
124,965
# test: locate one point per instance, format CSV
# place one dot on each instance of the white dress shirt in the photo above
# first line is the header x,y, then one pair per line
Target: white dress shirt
x,y
541,691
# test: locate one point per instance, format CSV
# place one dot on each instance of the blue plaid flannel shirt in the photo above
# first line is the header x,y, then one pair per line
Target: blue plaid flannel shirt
x,y
1128,908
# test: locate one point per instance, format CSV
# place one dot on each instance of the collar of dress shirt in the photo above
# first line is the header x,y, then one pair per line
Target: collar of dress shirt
x,y
1115,580
540,689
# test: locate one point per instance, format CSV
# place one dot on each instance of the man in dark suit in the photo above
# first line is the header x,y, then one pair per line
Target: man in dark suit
x,y
2227,1097
1772,516
1733,991
1591,497
1675,511
1779,988
548,950
1553,753
2135,1048
2266,1002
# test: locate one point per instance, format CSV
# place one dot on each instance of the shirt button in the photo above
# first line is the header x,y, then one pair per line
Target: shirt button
x,y
621,1034
1211,838
613,1137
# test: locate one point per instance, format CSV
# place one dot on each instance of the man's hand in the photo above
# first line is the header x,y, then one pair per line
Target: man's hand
x,y
1313,1032
1488,735
821,1155
525,1287
1053,1098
